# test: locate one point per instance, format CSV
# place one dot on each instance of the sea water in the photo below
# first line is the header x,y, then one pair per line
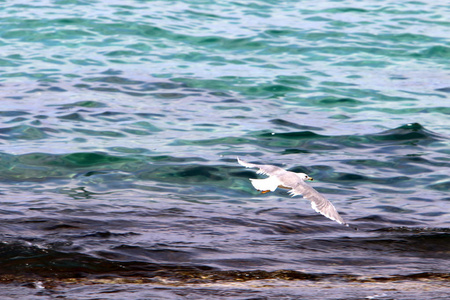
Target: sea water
x,y
121,122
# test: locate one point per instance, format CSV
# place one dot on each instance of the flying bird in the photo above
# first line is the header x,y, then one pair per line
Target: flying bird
x,y
279,177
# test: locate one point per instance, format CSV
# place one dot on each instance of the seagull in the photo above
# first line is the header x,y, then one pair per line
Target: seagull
x,y
279,177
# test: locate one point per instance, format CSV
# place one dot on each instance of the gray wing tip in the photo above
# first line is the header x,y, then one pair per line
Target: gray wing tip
x,y
339,220
245,164
241,162
342,222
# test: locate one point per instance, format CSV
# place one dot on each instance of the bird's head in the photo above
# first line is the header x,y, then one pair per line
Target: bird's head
x,y
304,177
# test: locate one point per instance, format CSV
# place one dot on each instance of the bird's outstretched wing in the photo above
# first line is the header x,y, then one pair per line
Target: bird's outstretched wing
x,y
263,169
318,202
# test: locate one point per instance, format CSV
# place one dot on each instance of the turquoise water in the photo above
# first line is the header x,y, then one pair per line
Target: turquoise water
x,y
121,123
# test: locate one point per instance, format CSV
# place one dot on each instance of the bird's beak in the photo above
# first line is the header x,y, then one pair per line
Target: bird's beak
x,y
310,179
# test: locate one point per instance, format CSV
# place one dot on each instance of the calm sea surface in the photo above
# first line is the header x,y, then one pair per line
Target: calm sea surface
x,y
121,121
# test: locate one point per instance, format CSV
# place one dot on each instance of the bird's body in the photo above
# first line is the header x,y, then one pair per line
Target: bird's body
x,y
279,177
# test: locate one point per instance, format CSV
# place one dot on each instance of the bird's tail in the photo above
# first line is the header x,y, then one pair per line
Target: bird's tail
x,y
266,184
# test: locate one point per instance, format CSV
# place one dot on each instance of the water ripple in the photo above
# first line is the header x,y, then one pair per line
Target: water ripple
x,y
121,123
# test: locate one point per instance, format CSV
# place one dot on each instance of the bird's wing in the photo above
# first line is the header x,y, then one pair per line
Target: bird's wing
x,y
263,169
318,202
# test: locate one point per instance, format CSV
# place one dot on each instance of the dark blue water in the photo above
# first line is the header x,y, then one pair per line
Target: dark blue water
x,y
121,124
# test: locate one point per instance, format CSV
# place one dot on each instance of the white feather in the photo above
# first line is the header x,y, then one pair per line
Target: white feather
x,y
266,184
